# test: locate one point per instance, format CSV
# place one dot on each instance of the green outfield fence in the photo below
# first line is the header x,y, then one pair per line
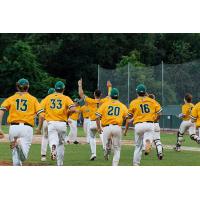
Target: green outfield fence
x,y
169,83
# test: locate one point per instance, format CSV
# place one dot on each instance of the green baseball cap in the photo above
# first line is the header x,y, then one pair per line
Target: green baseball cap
x,y
51,90
59,85
114,92
141,88
22,82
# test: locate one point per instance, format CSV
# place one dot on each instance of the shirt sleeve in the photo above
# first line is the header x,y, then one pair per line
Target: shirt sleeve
x,y
131,110
69,102
194,113
6,105
158,108
89,100
125,111
183,110
99,112
38,107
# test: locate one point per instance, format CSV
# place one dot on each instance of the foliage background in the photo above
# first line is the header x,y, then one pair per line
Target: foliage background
x,y
45,58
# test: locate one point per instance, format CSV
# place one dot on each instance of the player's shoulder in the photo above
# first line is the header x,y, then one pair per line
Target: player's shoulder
x,y
197,105
31,97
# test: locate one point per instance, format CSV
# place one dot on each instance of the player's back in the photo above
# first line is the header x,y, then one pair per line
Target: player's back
x,y
143,109
22,108
85,111
93,105
186,110
75,115
56,107
112,112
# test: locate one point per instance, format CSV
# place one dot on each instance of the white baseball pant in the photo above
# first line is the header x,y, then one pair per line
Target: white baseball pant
x,y
57,134
156,139
187,125
142,129
72,137
92,132
113,133
44,142
86,123
24,135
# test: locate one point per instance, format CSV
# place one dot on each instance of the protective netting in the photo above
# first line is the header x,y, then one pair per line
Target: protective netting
x,y
169,82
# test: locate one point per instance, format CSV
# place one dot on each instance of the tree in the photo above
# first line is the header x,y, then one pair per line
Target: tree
x,y
20,62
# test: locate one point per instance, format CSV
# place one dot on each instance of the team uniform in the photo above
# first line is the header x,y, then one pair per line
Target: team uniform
x,y
56,109
23,109
156,137
72,121
44,143
112,114
195,115
93,105
86,121
143,110
186,125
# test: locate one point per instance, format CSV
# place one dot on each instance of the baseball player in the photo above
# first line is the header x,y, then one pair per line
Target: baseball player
x,y
22,108
85,113
93,105
112,114
186,124
56,108
195,116
156,135
143,110
72,121
44,142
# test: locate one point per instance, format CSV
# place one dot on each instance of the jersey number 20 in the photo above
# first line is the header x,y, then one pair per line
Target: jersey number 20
x,y
113,111
144,108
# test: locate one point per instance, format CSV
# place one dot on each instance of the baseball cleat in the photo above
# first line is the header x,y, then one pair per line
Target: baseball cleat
x,y
76,142
160,156
147,149
177,148
43,158
68,142
107,154
93,157
53,152
14,143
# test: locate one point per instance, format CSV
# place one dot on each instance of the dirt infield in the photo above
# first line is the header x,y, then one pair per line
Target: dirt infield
x,y
38,138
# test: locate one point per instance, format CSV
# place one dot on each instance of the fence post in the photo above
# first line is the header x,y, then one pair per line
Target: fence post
x,y
128,84
162,93
98,77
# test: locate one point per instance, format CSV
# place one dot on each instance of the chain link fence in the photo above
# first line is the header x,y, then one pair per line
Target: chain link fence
x,y
169,82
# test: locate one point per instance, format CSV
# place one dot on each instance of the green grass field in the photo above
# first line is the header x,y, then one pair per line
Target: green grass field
x,y
78,155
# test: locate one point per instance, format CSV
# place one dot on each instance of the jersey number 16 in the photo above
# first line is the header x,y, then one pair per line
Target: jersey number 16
x,y
144,108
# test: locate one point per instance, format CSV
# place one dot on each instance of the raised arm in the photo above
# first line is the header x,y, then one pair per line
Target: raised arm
x,y
80,88
109,86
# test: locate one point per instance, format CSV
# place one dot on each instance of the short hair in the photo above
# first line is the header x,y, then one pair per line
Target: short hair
x,y
188,97
59,90
23,88
97,93
152,96
141,94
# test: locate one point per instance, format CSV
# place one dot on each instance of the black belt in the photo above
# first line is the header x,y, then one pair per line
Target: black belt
x,y
86,117
109,125
21,123
144,122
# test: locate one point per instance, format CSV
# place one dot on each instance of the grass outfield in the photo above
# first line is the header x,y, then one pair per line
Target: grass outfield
x,y
78,155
